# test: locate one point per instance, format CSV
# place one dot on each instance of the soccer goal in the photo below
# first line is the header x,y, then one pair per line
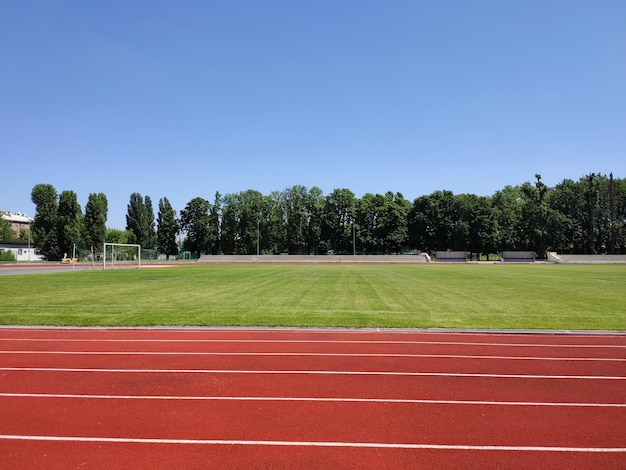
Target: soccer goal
x,y
121,254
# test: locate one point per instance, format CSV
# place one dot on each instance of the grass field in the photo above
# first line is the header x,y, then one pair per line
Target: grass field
x,y
453,296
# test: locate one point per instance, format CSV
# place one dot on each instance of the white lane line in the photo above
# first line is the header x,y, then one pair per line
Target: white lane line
x,y
311,341
309,372
296,331
304,354
372,445
311,399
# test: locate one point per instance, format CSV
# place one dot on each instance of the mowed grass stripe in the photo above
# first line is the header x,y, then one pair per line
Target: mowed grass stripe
x,y
536,296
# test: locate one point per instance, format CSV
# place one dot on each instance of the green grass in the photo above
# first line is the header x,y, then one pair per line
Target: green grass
x,y
454,296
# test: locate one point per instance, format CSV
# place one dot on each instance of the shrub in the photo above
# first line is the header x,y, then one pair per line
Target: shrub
x,y
6,256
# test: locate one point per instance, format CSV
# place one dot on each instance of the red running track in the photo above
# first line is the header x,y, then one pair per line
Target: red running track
x,y
243,398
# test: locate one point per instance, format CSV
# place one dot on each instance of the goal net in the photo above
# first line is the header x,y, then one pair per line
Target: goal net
x,y
121,254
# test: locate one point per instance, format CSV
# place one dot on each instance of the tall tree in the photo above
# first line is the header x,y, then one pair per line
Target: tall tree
x,y
294,204
272,227
314,211
395,234
507,210
478,216
618,224
241,218
96,212
338,220
567,200
7,234
215,213
151,226
140,220
195,222
44,226
167,228
535,215
367,219
434,222
612,232
69,222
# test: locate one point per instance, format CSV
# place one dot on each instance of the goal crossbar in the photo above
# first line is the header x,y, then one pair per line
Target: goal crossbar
x,y
113,245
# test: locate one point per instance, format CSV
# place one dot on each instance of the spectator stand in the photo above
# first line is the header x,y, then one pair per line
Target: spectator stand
x,y
519,256
451,256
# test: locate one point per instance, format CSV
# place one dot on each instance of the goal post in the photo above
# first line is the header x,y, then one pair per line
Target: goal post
x,y
121,254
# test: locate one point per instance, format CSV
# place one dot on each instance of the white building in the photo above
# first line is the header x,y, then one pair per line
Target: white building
x,y
20,223
21,251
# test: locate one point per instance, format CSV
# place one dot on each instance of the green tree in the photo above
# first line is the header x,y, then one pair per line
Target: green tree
x,y
152,240
601,222
167,228
618,216
394,224
272,228
592,206
96,212
293,205
44,227
367,221
114,235
434,222
314,210
478,216
338,219
382,223
585,215
69,222
567,200
241,218
140,220
297,217
7,234
536,217
195,222
507,210
215,213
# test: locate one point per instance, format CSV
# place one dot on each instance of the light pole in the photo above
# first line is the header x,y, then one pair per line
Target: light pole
x,y
28,239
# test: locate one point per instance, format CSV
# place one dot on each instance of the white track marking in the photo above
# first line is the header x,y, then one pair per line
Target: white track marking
x,y
309,372
303,354
311,399
371,445
326,331
312,341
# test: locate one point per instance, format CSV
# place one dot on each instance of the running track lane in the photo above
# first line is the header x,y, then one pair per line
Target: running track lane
x,y
317,398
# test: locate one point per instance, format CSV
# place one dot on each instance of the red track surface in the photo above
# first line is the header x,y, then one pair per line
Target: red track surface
x,y
110,398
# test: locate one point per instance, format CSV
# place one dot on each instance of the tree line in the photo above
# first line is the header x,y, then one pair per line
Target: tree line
x,y
584,216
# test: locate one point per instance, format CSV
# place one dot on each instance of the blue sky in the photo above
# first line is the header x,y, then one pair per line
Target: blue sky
x,y
185,98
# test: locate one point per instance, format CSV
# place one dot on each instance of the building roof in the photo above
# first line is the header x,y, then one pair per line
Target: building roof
x,y
16,218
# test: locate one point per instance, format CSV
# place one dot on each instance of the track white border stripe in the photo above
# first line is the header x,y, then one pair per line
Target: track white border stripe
x,y
373,445
334,331
310,341
309,399
309,372
304,354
